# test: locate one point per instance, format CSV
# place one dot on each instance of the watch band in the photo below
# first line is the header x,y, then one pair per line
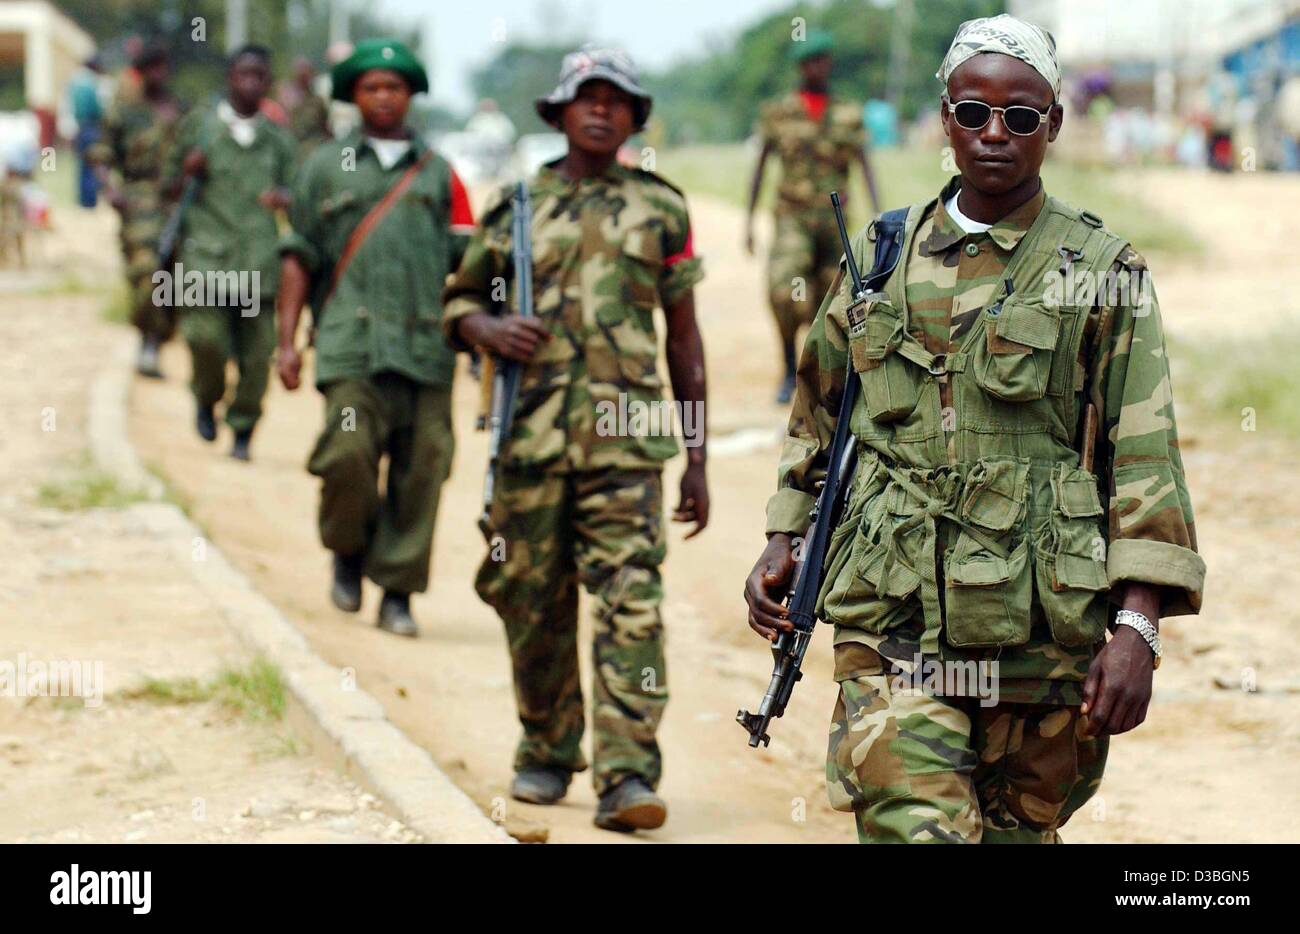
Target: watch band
x,y
1136,620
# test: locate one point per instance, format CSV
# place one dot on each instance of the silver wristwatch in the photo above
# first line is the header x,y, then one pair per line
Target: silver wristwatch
x,y
1143,625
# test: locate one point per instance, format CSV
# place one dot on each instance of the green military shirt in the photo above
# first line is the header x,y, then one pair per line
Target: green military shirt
x,y
607,252
384,315
984,453
224,227
815,155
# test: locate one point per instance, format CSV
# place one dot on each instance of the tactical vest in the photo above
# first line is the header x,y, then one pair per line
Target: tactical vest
x,y
1013,531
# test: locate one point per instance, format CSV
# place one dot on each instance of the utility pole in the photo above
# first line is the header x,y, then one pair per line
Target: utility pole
x,y
236,24
339,26
900,51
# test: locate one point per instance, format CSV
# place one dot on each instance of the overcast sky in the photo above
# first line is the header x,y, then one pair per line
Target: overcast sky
x,y
461,34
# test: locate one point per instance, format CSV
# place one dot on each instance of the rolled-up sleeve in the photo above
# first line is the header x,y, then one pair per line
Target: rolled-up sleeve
x,y
1152,532
481,272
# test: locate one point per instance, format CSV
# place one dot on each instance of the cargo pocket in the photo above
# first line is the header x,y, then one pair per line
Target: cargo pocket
x,y
987,582
1014,361
890,385
1070,562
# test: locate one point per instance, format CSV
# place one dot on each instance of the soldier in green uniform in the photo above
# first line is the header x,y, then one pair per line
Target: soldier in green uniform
x,y
579,496
138,133
378,221
816,138
979,531
241,164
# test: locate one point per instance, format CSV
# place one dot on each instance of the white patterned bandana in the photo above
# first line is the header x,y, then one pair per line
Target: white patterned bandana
x,y
1007,35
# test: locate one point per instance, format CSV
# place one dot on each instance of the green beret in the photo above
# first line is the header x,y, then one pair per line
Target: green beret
x,y
378,53
816,42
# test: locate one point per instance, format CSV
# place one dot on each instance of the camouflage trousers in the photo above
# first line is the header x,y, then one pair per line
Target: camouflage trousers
x,y
918,768
603,530
142,224
216,335
801,266
391,527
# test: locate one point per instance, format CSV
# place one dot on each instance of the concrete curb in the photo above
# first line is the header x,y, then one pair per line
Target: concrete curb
x,y
351,722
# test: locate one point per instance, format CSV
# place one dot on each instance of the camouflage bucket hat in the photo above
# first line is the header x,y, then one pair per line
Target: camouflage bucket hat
x,y
592,64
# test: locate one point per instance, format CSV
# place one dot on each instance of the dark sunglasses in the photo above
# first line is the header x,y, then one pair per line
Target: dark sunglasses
x,y
1019,119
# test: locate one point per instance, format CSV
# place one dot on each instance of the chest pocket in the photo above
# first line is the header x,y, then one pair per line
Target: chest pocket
x,y
1013,360
890,385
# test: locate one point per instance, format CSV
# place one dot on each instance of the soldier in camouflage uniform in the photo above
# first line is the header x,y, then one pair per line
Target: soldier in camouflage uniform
x,y
579,499
974,531
309,114
381,362
243,164
138,133
816,138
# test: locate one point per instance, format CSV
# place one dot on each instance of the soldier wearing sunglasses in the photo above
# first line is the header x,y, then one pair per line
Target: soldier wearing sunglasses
x,y
988,524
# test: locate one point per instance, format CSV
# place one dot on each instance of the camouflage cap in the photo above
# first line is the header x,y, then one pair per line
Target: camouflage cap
x,y
594,64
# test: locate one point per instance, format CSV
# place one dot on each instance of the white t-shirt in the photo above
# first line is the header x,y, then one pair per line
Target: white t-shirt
x,y
242,129
961,220
388,150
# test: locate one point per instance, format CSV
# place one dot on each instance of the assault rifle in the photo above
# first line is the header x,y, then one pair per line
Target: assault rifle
x,y
810,568
505,373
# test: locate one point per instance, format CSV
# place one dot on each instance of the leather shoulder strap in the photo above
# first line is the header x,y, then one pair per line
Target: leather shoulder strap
x,y
372,220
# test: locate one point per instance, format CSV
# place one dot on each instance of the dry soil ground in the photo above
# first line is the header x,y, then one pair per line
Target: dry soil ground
x,y
1213,761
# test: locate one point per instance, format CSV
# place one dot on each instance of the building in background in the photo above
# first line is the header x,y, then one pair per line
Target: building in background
x,y
50,48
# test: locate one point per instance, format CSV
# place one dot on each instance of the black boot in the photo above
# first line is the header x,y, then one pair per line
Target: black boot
x,y
206,423
786,391
395,615
545,784
631,805
240,449
146,363
345,592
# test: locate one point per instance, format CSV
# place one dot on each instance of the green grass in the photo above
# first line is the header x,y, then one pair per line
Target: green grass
x,y
86,487
118,308
911,174
255,692
1236,381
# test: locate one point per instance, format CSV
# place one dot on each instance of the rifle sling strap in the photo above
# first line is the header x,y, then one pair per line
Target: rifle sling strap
x,y
372,220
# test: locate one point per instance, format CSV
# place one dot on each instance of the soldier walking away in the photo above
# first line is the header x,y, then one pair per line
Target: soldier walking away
x,y
240,164
579,498
378,221
137,135
816,138
988,523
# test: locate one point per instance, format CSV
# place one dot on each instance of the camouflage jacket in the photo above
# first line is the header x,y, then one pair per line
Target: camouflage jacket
x,y
973,531
815,155
384,314
225,227
135,141
607,252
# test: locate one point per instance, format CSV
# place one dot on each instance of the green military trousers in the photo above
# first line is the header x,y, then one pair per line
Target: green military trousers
x,y
603,529
216,335
366,420
801,266
915,767
142,223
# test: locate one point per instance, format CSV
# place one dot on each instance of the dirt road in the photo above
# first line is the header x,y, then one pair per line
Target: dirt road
x,y
1212,762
